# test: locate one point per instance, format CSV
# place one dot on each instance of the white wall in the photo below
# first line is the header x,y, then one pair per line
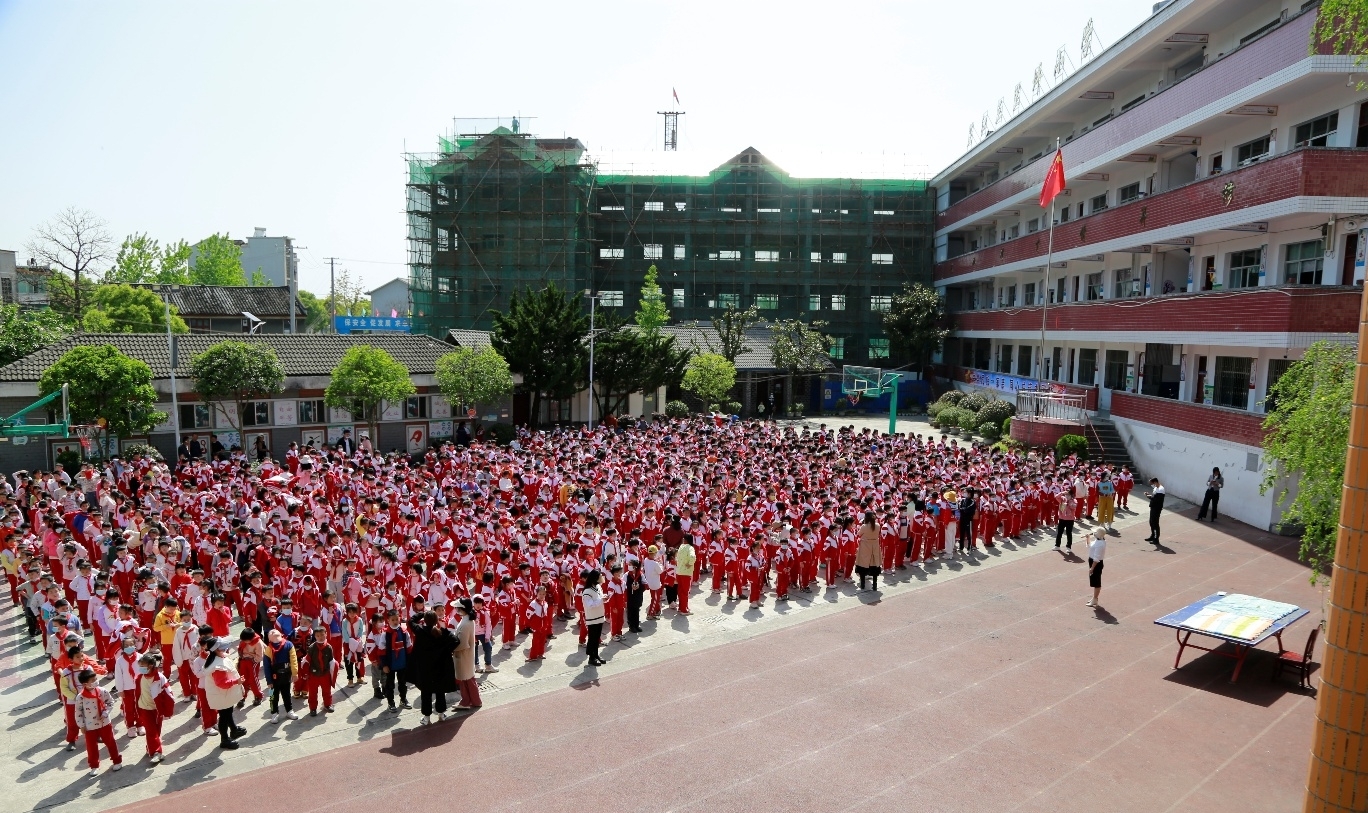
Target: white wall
x,y
1182,461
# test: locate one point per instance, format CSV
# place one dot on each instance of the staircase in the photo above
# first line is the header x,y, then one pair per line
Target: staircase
x,y
1105,444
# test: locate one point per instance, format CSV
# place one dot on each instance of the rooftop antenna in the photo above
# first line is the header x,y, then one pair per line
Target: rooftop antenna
x,y
672,123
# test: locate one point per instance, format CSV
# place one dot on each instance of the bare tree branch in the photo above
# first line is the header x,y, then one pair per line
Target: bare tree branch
x,y
71,243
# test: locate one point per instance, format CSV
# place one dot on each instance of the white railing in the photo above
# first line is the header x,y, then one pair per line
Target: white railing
x,y
1051,406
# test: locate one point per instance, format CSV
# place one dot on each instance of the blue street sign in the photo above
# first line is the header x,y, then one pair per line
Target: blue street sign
x,y
347,324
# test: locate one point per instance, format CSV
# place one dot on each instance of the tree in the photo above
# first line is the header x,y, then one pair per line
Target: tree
x,y
731,326
797,349
143,260
22,332
468,376
710,376
259,279
1308,435
365,378
542,335
233,372
69,245
628,360
916,324
122,308
651,313
217,260
1342,28
350,294
105,385
316,310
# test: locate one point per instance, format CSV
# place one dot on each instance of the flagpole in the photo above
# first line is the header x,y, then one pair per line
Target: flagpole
x,y
1045,286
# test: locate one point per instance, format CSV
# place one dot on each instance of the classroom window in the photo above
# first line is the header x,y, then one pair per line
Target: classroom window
x,y
1004,359
1095,286
816,256
879,348
1033,225
679,253
256,413
838,256
653,251
814,302
610,299
1087,366
1305,262
1028,293
766,256
1127,283
729,254
1317,132
677,298
194,416
837,347
728,300
312,411
1252,151
838,302
1244,268
882,259
767,302
1007,296
1114,374
416,407
655,205
1128,193
1098,203
881,303
611,253
1024,359
1232,381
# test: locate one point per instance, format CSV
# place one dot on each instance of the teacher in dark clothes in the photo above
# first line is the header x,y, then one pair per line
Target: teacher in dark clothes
x,y
1156,498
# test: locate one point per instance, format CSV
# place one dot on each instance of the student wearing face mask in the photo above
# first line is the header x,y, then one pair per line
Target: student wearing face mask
x,y
126,681
155,702
223,690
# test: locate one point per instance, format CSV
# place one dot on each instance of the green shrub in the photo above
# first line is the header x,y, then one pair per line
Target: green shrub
x,y
1072,444
953,417
933,410
843,403
995,411
990,430
142,449
677,409
499,433
1006,427
952,398
973,402
733,407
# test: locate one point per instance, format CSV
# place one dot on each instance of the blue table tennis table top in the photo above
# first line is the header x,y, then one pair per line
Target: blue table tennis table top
x,y
1174,620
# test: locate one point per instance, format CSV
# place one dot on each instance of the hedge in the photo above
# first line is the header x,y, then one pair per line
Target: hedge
x,y
1072,444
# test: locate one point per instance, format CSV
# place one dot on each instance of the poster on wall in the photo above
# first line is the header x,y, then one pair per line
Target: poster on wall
x,y
252,449
60,446
312,437
285,413
440,429
229,439
1360,255
417,438
335,432
440,407
392,412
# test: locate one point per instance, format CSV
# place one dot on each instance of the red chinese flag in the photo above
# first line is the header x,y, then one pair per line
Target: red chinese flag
x,y
1054,180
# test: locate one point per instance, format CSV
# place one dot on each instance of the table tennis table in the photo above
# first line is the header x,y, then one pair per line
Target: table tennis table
x,y
1183,633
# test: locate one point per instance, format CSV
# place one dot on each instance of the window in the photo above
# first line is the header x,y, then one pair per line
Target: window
x,y
1244,268
1028,293
767,302
1024,359
1004,360
1304,264
882,259
1217,163
312,411
679,253
1317,132
1246,154
1114,375
1096,289
610,299
729,254
416,407
1098,203
7,290
677,298
728,300
680,206
837,347
194,416
1126,194
766,256
610,253
256,413
1232,381
1064,215
32,286
655,205
601,208
1033,225
838,256
838,302
769,210
1276,369
816,256
883,211
1087,367
881,303
1007,297
1014,232
878,348
1127,283
654,251
814,302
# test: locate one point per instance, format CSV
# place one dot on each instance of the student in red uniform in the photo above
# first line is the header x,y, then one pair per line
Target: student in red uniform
x,y
320,666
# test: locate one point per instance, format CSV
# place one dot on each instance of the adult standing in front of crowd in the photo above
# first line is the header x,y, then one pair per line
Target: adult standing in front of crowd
x,y
1106,501
1156,498
432,666
686,558
1068,512
1097,553
464,657
594,615
1212,498
869,555
222,690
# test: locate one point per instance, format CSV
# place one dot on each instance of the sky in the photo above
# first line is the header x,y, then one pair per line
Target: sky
x,y
185,119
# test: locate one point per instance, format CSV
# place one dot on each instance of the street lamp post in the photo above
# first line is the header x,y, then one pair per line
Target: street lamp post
x,y
593,302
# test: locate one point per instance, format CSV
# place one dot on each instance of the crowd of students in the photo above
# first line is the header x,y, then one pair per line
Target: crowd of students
x,y
221,582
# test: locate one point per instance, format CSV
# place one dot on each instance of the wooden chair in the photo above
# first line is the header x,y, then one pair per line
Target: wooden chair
x,y
1300,662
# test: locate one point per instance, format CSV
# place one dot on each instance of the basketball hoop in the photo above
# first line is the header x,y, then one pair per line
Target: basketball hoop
x,y
86,433
854,398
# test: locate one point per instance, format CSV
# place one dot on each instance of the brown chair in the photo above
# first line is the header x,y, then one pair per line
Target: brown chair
x,y
1300,662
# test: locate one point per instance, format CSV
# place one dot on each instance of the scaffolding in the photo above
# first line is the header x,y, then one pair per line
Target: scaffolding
x,y
494,212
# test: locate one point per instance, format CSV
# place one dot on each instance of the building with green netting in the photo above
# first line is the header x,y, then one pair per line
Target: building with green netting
x,y
492,213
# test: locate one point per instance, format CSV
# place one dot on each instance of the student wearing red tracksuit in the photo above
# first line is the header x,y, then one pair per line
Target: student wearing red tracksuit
x,y
616,603
755,575
783,570
155,702
320,667
539,620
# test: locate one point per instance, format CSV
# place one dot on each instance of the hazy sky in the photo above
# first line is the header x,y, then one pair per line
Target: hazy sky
x,y
185,118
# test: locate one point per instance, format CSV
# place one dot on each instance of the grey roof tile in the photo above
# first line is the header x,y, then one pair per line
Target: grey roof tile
x,y
228,300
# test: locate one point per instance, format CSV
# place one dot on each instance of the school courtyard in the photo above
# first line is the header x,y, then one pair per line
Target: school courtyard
x,y
975,686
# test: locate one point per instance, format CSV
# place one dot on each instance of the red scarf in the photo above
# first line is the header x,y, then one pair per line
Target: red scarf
x,y
93,693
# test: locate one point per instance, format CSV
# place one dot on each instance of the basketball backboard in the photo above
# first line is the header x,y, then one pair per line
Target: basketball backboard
x,y
866,380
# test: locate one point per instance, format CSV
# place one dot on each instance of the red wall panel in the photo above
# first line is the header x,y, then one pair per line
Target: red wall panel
x,y
1210,421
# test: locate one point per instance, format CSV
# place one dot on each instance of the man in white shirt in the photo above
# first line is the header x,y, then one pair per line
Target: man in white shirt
x,y
1097,552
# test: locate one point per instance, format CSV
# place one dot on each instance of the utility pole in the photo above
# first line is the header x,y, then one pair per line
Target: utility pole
x,y
332,293
171,357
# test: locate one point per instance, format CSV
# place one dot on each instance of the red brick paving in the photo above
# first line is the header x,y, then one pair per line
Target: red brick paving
x,y
999,691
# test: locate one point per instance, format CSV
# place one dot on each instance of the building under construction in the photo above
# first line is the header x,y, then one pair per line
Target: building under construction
x,y
495,212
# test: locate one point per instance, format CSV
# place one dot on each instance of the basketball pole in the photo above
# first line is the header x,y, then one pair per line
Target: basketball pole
x,y
893,405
